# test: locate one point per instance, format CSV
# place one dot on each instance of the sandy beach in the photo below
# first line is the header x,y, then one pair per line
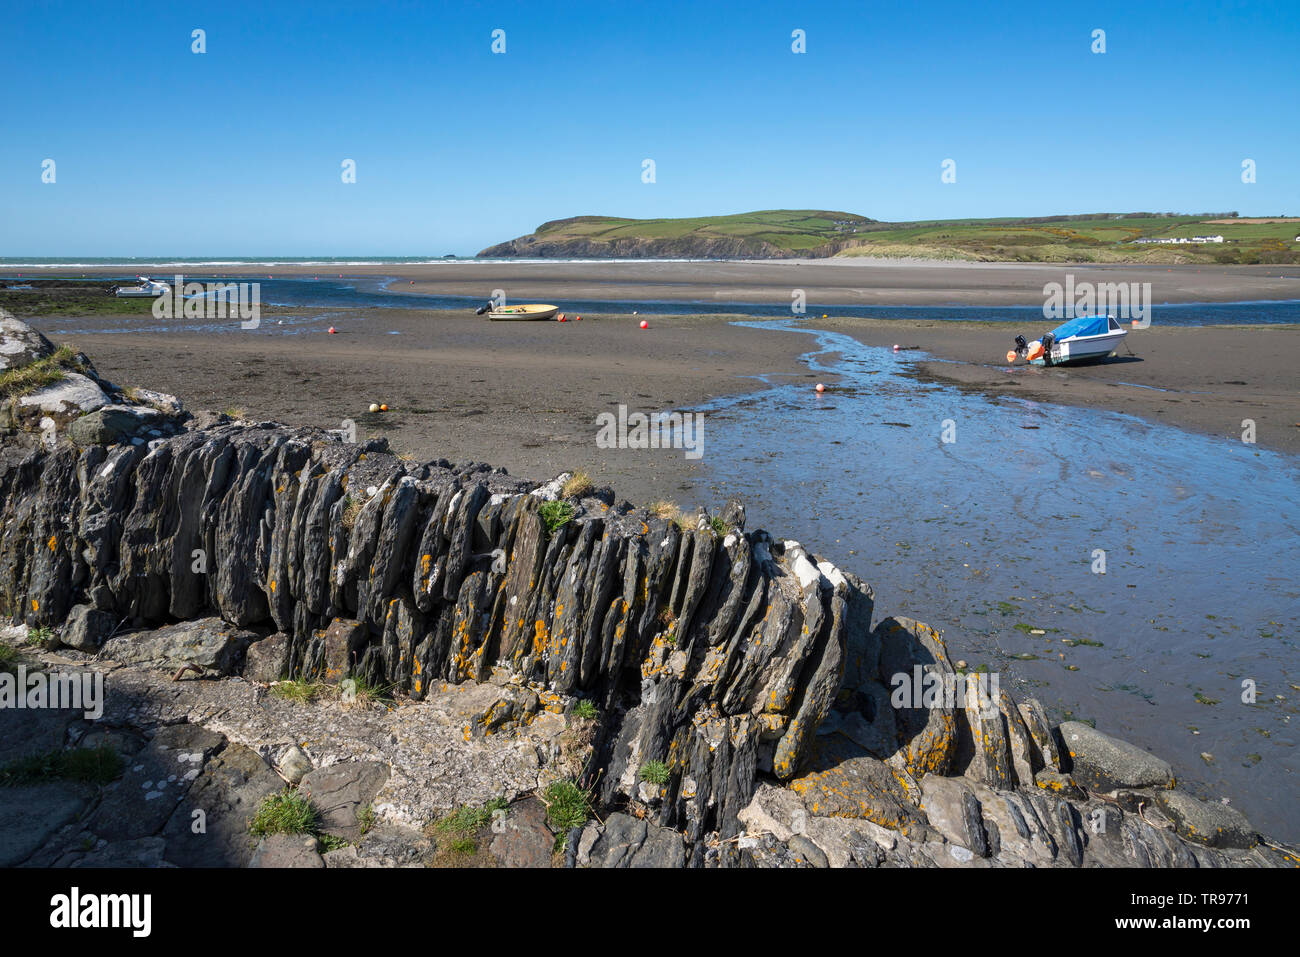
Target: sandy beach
x,y
525,395
847,281
520,395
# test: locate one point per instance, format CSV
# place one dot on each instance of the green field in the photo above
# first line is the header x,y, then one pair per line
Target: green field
x,y
1102,237
791,229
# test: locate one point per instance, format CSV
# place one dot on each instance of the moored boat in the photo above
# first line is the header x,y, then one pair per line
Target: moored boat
x,y
1084,339
147,289
530,311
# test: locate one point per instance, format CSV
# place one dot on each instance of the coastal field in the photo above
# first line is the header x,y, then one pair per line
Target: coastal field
x,y
1102,237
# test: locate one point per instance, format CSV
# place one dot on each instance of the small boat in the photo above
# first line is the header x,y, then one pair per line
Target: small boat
x,y
147,289
1085,339
532,311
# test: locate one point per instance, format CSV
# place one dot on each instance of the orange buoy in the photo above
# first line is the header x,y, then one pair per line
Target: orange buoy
x,y
332,330
383,407
895,346
820,387
1011,356
579,318
644,324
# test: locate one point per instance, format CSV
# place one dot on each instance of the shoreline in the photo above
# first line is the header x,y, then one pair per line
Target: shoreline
x,y
521,395
1203,378
1206,379
850,281
526,395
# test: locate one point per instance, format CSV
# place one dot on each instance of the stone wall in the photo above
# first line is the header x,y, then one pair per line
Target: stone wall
x,y
719,652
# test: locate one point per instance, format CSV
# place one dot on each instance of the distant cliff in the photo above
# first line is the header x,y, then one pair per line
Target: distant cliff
x,y
771,234
1153,238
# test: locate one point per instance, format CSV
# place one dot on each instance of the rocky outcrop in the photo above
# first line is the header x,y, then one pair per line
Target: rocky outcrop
x,y
738,707
716,654
73,401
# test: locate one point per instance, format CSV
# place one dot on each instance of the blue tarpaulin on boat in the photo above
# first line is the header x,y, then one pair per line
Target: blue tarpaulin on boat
x,y
1083,326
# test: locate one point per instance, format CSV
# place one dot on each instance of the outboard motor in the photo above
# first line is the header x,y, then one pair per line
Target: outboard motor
x,y
1047,341
1022,347
482,309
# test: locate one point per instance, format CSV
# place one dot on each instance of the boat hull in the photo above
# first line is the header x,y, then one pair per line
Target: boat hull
x,y
523,313
1080,349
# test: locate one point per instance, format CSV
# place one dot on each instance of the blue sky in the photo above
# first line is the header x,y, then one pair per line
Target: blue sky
x,y
238,151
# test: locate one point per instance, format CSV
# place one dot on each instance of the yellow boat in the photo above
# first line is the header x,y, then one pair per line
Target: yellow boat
x,y
532,311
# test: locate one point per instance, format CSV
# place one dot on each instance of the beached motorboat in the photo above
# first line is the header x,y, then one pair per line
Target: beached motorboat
x,y
147,289
531,311
1085,339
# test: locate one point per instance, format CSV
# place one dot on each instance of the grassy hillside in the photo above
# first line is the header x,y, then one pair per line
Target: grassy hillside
x,y
1103,237
791,229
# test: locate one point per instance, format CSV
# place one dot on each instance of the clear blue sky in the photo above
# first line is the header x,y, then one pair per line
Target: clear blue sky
x,y
160,151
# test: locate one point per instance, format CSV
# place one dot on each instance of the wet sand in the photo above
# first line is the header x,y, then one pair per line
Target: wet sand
x,y
1205,378
525,396
848,281
521,395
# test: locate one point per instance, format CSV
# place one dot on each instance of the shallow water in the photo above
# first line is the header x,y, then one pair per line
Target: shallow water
x,y
374,293
994,534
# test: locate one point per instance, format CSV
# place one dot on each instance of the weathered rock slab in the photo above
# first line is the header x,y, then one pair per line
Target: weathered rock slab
x,y
1104,763
210,645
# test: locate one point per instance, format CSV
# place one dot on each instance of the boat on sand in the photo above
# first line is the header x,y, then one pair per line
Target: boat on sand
x,y
530,311
1085,339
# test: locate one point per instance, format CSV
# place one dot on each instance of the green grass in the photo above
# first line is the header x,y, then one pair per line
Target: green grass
x,y
720,528
288,812
366,818
656,772
567,806
467,819
40,635
89,765
37,375
365,693
351,509
1093,237
586,709
555,515
463,845
331,842
578,485
300,690
787,228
